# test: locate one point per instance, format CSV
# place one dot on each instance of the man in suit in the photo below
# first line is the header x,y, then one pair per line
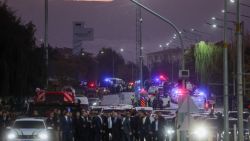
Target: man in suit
x,y
78,127
144,127
116,127
107,126
66,127
97,126
134,122
85,126
158,127
126,127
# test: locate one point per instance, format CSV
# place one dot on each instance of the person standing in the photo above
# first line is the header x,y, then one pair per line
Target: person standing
x,y
134,122
126,127
66,127
158,127
97,127
78,127
144,127
116,127
110,125
85,126
105,133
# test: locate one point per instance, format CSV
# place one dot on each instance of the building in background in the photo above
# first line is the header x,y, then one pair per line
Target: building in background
x,y
166,61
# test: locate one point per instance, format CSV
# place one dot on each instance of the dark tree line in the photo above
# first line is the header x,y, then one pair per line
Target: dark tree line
x,y
23,62
69,69
22,67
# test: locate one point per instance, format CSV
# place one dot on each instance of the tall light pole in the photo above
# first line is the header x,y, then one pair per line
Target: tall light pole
x,y
239,72
139,43
181,44
46,42
225,76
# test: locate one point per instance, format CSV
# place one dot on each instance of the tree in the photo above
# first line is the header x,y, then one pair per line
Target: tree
x,y
109,61
208,61
69,69
22,65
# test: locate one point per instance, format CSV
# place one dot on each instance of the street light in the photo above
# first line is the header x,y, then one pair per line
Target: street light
x,y
232,1
214,25
222,20
91,0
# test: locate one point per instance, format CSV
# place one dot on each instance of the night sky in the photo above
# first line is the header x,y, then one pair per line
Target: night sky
x,y
114,22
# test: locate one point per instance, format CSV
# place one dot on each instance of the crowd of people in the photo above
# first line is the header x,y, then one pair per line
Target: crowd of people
x,y
109,126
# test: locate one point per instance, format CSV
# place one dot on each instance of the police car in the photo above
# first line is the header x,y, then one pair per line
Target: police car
x,y
29,129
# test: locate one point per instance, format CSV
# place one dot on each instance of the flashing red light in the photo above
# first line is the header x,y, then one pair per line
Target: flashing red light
x,y
163,78
206,105
143,91
92,85
248,106
181,91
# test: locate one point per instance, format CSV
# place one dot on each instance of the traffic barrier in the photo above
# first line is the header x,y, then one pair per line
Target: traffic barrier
x,y
143,102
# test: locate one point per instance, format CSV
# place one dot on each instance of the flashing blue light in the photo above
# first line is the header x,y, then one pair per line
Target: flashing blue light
x,y
202,93
106,79
138,81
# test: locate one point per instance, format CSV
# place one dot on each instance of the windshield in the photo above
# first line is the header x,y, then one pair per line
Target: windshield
x,y
28,124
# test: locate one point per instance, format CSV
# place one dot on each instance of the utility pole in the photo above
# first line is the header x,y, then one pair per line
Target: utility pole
x,y
113,64
239,73
225,77
139,57
46,43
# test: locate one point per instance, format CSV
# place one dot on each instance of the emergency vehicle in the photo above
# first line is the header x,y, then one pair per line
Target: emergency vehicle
x,y
67,95
45,101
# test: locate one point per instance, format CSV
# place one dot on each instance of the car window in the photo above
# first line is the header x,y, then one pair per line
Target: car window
x,y
28,124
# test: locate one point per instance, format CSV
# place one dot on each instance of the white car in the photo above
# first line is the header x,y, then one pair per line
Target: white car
x,y
29,129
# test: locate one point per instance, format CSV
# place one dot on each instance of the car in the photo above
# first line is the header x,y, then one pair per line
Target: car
x,y
234,114
116,85
94,101
232,123
29,129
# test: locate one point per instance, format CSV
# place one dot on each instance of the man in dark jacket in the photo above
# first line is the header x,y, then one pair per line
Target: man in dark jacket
x,y
144,127
116,127
78,127
66,127
85,126
105,132
158,127
134,122
126,127
97,126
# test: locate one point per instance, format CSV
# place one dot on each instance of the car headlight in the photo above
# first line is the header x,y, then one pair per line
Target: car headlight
x,y
43,135
169,131
11,135
200,132
94,104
